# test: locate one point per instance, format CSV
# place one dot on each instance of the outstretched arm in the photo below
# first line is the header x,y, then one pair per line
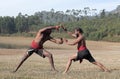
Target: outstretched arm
x,y
72,34
74,42
57,41
69,33
50,27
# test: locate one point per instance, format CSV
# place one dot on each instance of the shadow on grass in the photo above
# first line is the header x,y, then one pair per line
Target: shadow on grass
x,y
11,46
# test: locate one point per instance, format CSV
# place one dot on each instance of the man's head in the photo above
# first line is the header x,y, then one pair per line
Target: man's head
x,y
78,31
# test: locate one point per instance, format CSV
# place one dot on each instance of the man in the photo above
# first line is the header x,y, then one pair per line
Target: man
x,y
83,52
42,36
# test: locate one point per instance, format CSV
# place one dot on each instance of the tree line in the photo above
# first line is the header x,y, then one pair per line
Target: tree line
x,y
101,26
26,23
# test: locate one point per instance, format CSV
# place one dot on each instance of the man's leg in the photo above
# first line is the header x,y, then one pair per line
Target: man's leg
x,y
49,55
70,62
101,66
90,58
26,55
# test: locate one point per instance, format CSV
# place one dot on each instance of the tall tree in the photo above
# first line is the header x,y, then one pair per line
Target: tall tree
x,y
102,14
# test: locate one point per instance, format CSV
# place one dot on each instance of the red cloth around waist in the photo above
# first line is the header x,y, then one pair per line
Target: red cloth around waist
x,y
82,48
36,45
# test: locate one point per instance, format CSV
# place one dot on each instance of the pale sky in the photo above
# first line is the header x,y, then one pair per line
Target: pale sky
x,y
13,7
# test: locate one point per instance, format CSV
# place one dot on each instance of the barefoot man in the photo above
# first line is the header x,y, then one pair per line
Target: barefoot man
x,y
83,52
42,36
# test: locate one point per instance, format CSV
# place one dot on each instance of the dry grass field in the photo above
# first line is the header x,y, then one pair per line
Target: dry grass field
x,y
38,68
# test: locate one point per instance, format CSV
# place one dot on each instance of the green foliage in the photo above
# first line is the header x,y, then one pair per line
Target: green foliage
x,y
98,27
7,25
60,35
102,14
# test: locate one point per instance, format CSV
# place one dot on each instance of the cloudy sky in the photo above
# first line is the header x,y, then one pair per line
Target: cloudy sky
x,y
13,7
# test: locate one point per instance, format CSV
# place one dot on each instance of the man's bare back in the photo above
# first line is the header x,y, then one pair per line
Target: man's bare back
x,y
41,38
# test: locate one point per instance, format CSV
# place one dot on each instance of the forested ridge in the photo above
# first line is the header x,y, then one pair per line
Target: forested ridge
x,y
96,26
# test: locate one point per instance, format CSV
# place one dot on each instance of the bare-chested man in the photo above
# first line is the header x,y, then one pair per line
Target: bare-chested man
x,y
83,52
42,36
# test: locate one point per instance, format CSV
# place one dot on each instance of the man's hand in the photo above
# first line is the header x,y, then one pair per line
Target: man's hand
x,y
65,40
57,40
62,26
57,27
61,41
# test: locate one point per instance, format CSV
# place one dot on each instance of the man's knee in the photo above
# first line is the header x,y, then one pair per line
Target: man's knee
x,y
25,56
70,59
29,53
50,55
94,63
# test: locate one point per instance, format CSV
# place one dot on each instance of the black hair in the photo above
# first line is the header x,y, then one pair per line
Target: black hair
x,y
80,30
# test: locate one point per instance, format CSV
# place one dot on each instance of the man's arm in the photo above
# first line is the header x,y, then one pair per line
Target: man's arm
x,y
57,41
74,42
69,33
72,34
50,27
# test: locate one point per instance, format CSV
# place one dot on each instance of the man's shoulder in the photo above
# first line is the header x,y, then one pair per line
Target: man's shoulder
x,y
81,36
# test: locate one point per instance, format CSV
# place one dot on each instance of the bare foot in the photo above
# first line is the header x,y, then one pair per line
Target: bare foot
x,y
107,70
13,71
54,70
64,72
